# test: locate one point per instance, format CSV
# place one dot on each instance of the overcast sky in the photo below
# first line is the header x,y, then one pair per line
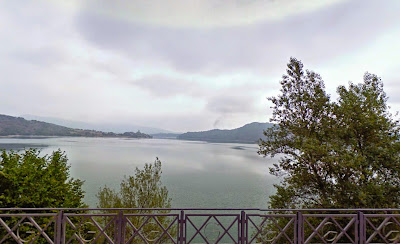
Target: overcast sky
x,y
185,64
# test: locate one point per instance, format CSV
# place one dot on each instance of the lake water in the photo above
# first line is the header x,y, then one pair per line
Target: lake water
x,y
197,174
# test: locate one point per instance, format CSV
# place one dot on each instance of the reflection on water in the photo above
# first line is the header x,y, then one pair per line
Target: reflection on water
x,y
19,146
197,174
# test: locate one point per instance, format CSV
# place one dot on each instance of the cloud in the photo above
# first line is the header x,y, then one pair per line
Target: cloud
x,y
203,13
43,56
163,86
392,89
231,104
262,46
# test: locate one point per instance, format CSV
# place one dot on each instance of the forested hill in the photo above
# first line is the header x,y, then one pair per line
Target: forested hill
x,y
16,126
249,133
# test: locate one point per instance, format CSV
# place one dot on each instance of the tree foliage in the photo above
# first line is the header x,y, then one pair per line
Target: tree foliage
x,y
340,154
144,189
28,180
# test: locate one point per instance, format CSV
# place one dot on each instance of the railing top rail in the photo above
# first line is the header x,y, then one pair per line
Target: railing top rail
x,y
207,209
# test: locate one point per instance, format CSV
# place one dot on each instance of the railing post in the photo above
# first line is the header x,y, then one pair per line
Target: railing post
x,y
361,227
242,239
181,236
299,228
119,228
59,232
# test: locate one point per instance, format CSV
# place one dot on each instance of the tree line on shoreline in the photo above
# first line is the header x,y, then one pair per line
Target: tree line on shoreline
x,y
17,126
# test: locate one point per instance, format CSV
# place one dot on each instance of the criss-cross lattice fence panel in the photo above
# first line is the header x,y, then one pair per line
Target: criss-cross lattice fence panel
x,y
271,228
330,228
90,228
382,228
212,228
28,228
150,228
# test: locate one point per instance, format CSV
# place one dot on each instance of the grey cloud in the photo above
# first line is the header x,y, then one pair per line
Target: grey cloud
x,y
315,37
237,104
392,88
204,13
217,122
33,33
43,56
165,87
231,104
194,121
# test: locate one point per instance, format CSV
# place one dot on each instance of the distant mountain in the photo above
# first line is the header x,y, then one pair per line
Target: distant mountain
x,y
249,133
17,126
165,135
108,127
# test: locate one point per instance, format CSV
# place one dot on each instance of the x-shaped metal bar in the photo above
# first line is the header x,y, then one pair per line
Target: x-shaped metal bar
x,y
315,231
10,231
378,231
164,230
282,231
102,230
226,230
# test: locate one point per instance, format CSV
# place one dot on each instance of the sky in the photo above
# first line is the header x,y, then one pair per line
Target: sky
x,y
185,65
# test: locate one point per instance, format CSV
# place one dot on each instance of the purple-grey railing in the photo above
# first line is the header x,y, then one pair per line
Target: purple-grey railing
x,y
52,225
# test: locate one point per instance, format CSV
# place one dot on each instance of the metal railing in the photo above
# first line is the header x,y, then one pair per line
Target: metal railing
x,y
62,225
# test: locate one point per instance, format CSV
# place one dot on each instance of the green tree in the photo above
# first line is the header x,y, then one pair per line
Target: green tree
x,y
28,180
142,190
342,154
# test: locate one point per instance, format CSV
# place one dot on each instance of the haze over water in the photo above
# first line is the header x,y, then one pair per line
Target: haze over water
x,y
197,174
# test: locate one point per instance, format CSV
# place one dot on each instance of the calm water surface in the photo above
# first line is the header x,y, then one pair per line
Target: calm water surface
x,y
197,174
